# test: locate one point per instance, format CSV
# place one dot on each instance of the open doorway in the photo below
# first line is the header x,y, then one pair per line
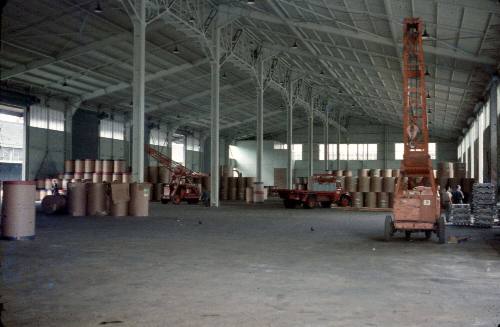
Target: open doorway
x,y
11,143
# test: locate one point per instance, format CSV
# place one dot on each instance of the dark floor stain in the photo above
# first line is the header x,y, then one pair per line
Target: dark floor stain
x,y
111,322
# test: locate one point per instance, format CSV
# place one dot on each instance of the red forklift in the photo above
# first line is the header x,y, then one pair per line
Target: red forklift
x,y
181,187
310,199
416,200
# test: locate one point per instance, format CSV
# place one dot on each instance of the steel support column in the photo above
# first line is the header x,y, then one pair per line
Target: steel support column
x,y
310,140
138,86
338,142
260,119
325,140
289,137
493,131
214,127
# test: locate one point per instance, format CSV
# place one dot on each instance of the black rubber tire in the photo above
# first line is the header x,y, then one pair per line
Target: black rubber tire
x,y
326,204
441,230
310,203
388,229
407,235
290,204
428,234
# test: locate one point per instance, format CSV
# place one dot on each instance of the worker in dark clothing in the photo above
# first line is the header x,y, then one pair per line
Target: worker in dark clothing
x,y
457,196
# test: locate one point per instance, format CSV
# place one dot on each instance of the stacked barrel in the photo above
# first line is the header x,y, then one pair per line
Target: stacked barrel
x,y
159,177
237,188
372,188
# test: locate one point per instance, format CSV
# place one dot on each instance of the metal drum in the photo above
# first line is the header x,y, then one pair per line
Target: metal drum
x,y
258,192
69,166
363,184
357,199
389,184
382,200
347,173
351,184
363,172
79,166
96,199
98,166
139,199
107,166
77,199
119,166
97,178
375,184
370,199
387,173
89,166
18,210
375,172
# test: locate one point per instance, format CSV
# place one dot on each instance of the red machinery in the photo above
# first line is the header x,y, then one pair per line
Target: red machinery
x,y
181,186
416,200
310,199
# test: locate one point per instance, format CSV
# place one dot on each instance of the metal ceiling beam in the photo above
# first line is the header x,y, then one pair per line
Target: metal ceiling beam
x,y
149,78
357,64
191,97
75,52
253,14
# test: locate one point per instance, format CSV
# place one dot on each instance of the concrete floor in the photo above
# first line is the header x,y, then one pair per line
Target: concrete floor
x,y
246,266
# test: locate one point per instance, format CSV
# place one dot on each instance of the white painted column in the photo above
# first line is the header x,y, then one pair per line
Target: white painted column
x,y
25,175
311,139
260,119
214,127
480,120
338,141
325,136
493,131
139,91
289,137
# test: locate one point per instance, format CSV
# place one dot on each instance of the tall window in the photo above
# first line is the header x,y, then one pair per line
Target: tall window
x,y
43,117
297,151
399,151
111,129
280,146
178,149
332,152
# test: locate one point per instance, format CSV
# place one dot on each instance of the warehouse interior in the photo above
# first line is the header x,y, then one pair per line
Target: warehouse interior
x,y
186,126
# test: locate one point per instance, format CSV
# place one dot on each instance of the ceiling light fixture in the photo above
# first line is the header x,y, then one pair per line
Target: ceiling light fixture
x,y
64,83
428,95
98,8
250,2
176,50
224,75
191,20
295,45
322,73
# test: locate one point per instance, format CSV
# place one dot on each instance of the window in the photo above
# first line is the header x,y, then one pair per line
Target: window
x,y
178,149
158,137
232,151
47,118
297,151
343,151
111,129
193,144
280,146
332,152
399,151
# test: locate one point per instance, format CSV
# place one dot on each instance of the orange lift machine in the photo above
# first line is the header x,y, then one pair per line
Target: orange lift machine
x,y
416,201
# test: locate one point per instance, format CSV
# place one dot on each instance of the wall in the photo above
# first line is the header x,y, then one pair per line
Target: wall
x,y
360,133
45,152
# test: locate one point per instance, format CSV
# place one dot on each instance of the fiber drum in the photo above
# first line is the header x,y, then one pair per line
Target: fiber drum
x,y
139,199
18,210
96,199
363,184
77,199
